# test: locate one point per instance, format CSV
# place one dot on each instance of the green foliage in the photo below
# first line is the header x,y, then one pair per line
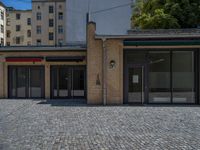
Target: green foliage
x,y
165,14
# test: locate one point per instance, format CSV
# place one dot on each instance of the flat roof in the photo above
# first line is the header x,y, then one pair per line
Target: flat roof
x,y
155,33
41,48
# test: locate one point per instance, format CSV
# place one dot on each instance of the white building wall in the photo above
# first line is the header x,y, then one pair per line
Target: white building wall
x,y
113,21
3,22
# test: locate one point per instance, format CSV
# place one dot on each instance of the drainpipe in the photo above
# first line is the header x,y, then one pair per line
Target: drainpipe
x,y
104,71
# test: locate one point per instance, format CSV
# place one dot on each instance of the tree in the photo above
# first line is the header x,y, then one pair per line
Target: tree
x,y
165,14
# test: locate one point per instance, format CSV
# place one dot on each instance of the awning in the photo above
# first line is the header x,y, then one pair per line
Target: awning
x,y
24,59
161,42
66,59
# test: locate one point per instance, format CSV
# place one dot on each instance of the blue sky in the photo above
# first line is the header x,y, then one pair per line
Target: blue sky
x,y
18,4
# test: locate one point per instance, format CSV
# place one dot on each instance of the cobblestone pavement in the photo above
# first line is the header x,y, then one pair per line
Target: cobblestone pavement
x,y
29,124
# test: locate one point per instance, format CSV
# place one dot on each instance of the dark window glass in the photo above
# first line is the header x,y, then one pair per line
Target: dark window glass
x,y
39,30
2,29
2,15
28,21
50,9
183,77
39,16
17,40
159,77
18,16
50,35
60,29
39,42
8,33
60,16
50,22
18,27
29,33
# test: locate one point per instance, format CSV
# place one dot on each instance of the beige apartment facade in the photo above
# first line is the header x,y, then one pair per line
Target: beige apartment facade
x,y
137,68
2,24
18,28
48,22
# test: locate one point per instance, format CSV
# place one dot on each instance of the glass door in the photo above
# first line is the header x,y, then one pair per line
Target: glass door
x,y
68,82
22,82
26,82
78,83
136,84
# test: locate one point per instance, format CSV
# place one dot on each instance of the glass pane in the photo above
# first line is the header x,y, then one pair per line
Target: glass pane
x,y
136,57
159,77
63,82
21,82
36,82
54,73
13,82
135,91
183,77
78,83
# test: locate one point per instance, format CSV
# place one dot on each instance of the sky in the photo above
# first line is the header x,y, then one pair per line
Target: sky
x,y
18,4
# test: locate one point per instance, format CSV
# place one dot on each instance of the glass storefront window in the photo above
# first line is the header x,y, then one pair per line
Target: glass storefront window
x,y
183,77
159,77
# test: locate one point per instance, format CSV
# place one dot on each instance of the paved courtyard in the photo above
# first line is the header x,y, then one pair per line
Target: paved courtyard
x,y
29,124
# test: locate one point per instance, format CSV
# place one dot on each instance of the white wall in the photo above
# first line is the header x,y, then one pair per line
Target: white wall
x,y
115,21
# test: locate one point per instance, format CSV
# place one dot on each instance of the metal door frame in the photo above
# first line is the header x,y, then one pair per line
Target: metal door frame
x,y
70,69
144,81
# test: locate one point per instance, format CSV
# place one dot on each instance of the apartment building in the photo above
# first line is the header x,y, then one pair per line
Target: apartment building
x,y
18,27
2,24
48,22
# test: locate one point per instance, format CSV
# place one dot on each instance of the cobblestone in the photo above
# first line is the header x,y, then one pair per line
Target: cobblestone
x,y
29,124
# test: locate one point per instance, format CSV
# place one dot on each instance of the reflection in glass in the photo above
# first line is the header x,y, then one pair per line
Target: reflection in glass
x,y
35,82
63,82
159,77
78,83
135,87
21,82
183,77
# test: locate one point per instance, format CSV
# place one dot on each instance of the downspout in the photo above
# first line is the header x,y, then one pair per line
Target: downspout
x,y
104,72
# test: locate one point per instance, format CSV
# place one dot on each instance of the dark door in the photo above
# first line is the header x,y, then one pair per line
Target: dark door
x,y
26,82
136,84
68,82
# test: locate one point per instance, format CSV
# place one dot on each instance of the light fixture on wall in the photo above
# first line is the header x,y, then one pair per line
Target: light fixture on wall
x,y
112,64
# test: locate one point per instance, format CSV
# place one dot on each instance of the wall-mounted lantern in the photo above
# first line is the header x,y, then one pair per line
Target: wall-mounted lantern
x,y
112,64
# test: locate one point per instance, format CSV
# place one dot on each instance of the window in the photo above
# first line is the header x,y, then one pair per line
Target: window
x,y
60,42
28,21
8,43
2,15
60,6
39,30
18,27
39,42
17,40
28,43
18,16
50,9
60,16
8,22
50,22
159,77
28,33
2,41
2,29
60,29
8,33
50,35
183,72
39,16
38,7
